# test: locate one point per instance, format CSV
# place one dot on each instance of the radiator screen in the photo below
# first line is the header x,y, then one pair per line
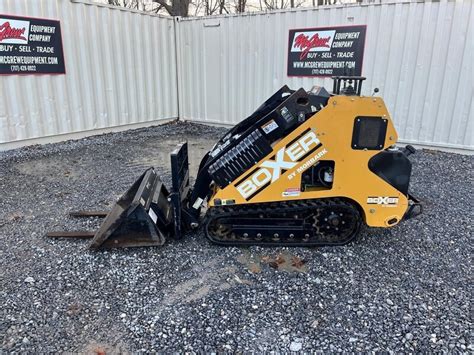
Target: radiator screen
x,y
369,133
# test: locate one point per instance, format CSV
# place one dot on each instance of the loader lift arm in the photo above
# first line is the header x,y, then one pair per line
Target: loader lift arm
x,y
287,108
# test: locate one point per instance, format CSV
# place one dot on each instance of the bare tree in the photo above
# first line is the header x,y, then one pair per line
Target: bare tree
x,y
175,7
214,7
141,5
210,7
327,2
172,7
130,4
280,4
240,6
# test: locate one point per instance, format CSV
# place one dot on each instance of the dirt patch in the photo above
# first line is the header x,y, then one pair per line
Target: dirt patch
x,y
287,262
50,169
283,261
96,348
152,154
250,261
212,278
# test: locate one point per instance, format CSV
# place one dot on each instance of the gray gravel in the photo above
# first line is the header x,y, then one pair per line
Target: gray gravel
x,y
400,289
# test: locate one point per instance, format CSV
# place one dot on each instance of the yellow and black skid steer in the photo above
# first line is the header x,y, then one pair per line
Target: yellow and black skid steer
x,y
305,169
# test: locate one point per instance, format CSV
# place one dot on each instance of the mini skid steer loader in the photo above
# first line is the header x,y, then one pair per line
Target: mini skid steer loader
x,y
305,169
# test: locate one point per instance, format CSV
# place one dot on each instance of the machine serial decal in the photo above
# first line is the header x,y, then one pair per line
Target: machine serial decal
x,y
382,200
286,158
270,126
291,192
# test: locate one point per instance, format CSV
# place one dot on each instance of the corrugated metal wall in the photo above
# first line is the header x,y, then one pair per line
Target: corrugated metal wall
x,y
420,55
120,70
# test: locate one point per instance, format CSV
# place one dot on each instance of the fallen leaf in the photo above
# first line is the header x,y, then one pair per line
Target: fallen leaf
x,y
280,259
297,262
273,264
254,268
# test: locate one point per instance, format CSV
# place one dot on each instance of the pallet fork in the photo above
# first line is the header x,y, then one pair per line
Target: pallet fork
x,y
146,215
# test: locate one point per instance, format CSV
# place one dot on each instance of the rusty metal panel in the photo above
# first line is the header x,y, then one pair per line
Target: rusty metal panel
x,y
120,73
418,53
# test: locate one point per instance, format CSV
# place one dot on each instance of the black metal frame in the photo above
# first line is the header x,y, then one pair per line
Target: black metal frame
x,y
415,208
345,79
180,186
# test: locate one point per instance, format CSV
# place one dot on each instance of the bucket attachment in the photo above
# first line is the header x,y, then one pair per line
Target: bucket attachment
x,y
141,217
146,215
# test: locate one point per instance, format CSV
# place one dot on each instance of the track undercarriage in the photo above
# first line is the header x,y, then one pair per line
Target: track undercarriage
x,y
330,221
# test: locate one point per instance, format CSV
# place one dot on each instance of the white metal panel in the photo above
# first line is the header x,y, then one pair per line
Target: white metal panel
x,y
419,54
120,71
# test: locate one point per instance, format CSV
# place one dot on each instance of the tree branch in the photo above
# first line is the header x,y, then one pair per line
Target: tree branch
x,y
167,7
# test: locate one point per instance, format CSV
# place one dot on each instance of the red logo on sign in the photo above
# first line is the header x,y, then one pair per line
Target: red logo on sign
x,y
306,44
8,32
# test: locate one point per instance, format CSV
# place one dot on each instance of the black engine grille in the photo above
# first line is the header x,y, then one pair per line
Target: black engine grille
x,y
369,133
240,158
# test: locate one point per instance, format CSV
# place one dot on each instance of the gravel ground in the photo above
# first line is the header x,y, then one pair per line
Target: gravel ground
x,y
400,289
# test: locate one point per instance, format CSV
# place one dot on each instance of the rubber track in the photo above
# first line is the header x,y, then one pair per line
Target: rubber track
x,y
305,207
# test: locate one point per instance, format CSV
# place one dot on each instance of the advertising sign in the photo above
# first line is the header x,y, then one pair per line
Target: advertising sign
x,y
30,46
326,51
